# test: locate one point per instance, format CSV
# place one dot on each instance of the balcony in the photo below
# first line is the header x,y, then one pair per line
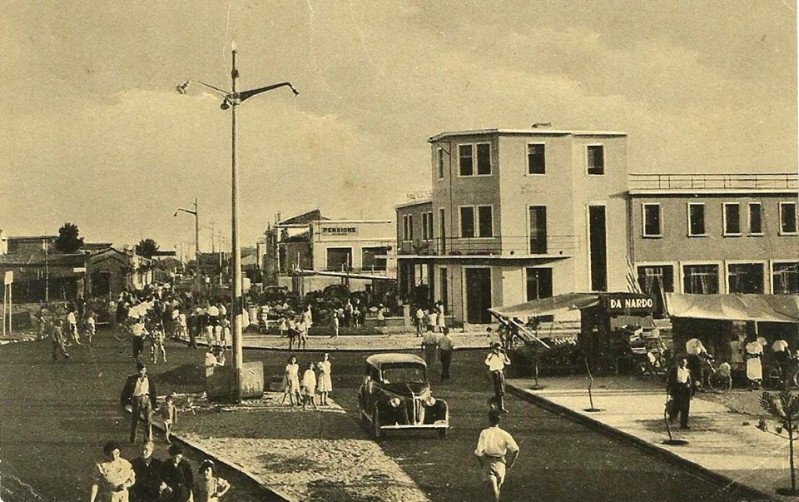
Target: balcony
x,y
699,182
508,245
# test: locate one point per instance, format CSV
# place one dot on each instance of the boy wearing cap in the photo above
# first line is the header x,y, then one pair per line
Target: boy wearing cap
x,y
496,361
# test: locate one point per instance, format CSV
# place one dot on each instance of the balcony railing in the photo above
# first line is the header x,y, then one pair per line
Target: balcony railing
x,y
513,245
713,181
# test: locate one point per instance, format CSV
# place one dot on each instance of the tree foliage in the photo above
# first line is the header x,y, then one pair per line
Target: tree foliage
x,y
146,248
68,240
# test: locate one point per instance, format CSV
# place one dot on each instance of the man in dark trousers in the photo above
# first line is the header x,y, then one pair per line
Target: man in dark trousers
x,y
139,393
496,361
445,350
178,477
148,485
679,385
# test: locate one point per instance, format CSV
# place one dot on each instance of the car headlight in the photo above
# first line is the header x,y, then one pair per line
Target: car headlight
x,y
430,401
395,402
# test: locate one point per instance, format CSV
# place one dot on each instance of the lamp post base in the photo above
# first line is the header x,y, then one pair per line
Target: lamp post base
x,y
220,383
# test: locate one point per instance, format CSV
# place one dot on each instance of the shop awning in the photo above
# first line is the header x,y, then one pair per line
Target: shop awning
x,y
547,306
734,307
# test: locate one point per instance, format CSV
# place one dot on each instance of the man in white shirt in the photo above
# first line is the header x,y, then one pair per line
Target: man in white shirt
x,y
696,352
496,452
496,361
139,393
679,385
445,350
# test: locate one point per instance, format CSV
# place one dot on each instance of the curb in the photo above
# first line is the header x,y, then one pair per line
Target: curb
x,y
643,445
334,349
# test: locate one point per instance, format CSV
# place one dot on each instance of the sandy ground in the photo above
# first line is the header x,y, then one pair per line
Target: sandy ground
x,y
292,455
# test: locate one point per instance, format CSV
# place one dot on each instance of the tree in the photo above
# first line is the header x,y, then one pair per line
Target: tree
x,y
146,248
783,406
68,240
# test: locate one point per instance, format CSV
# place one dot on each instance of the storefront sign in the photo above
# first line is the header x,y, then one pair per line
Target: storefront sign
x,y
339,231
627,302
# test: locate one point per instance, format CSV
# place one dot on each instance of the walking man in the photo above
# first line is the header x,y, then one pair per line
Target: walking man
x,y
496,452
496,361
679,385
139,393
445,349
429,348
57,338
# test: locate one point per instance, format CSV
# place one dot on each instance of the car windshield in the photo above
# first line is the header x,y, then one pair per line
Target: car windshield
x,y
404,374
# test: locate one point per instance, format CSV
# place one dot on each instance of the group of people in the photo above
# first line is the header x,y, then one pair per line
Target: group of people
x,y
65,328
148,479
430,318
303,391
441,344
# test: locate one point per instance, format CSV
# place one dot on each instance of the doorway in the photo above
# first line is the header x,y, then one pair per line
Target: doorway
x,y
478,295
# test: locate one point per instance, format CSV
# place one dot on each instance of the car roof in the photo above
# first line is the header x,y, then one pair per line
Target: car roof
x,y
380,359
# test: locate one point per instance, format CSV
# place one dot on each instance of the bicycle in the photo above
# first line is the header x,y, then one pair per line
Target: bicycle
x,y
719,379
782,373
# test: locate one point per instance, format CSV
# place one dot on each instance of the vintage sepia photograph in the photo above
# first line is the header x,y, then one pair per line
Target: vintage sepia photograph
x,y
399,251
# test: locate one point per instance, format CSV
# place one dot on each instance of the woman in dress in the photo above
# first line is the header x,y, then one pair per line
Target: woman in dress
x,y
325,382
754,368
292,382
209,488
309,387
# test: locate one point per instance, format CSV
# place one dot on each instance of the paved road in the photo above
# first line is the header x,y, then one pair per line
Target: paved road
x,y
56,416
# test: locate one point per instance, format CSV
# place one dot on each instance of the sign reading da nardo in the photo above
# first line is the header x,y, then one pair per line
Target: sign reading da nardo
x,y
624,303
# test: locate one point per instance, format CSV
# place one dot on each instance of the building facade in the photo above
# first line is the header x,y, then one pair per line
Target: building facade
x,y
715,234
518,215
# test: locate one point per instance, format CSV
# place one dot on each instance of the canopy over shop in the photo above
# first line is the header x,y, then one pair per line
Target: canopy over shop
x,y
718,320
607,322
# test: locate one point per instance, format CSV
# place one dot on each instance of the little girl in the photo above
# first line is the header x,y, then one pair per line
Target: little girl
x,y
309,387
325,382
291,381
90,327
169,414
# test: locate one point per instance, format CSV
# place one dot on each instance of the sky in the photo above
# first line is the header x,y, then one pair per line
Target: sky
x,y
94,133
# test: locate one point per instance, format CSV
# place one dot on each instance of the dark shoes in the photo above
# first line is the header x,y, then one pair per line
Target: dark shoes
x,y
685,427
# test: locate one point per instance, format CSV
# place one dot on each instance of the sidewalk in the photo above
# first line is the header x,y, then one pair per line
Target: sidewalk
x,y
723,444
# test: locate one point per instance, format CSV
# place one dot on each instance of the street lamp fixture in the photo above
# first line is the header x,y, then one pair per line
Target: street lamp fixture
x,y
196,215
230,100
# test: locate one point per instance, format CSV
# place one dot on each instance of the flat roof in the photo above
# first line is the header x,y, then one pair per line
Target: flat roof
x,y
414,203
525,132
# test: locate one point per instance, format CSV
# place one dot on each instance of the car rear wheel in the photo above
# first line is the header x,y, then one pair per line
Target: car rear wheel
x,y
376,430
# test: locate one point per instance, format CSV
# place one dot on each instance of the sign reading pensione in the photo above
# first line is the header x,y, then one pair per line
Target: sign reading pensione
x,y
628,302
339,231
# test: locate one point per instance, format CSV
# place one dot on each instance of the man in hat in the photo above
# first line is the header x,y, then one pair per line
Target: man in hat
x,y
139,393
496,361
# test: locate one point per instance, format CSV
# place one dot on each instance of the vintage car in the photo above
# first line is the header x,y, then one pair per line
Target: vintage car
x,y
396,395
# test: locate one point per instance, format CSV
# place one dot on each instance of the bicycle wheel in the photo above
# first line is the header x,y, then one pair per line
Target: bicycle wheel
x,y
718,382
774,378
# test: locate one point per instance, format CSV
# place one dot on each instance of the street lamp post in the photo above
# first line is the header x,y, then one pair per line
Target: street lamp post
x,y
196,215
232,100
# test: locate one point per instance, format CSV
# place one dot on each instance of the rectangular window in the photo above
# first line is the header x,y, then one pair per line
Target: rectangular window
x,y
696,219
539,283
538,229
427,225
596,159
407,221
483,158
485,219
465,160
732,218
339,258
785,278
536,163
467,221
787,218
656,279
440,163
652,226
374,258
745,277
701,279
755,218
